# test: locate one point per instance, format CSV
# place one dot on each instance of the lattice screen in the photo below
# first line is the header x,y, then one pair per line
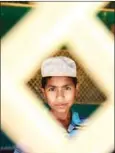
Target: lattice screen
x,y
88,91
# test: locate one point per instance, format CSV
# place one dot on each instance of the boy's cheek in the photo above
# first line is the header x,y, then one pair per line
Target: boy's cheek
x,y
50,101
70,97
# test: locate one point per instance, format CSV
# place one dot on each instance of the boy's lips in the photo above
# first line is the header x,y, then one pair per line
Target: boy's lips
x,y
61,105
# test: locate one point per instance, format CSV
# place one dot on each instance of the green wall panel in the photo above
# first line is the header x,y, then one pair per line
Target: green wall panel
x,y
10,15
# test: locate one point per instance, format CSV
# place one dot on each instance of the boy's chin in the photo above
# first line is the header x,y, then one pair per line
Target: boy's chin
x,y
61,110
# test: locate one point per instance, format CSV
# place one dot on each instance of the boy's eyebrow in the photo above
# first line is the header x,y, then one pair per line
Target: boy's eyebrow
x,y
48,86
67,85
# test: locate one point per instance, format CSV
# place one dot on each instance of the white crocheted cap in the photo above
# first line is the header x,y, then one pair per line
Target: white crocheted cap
x,y
58,66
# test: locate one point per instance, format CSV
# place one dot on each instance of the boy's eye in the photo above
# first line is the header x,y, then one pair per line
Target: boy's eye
x,y
68,88
51,89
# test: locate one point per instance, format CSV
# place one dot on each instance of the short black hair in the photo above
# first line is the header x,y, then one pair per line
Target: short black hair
x,y
45,79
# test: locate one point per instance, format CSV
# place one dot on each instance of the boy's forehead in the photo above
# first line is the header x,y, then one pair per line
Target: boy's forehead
x,y
59,80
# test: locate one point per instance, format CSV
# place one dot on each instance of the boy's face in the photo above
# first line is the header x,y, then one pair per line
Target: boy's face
x,y
60,93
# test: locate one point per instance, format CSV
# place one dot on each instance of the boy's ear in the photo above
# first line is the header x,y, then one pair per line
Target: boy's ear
x,y
77,87
42,90
43,95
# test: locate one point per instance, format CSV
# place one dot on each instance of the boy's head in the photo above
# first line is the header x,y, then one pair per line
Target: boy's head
x,y
59,82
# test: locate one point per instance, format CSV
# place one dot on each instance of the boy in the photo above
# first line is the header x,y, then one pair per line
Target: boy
x,y
60,88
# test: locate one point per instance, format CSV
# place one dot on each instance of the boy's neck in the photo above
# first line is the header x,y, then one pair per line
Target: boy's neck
x,y
63,118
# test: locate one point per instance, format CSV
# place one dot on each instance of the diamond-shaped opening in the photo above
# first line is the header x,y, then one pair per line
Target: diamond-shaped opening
x,y
89,97
107,16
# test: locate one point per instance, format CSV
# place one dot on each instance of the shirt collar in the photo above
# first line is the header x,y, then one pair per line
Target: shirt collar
x,y
75,121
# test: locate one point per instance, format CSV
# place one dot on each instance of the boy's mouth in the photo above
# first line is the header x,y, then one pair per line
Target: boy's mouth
x,y
61,105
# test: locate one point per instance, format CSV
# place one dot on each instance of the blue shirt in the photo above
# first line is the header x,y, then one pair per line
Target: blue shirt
x,y
72,128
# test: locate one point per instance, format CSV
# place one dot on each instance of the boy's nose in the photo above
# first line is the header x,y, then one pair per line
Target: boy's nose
x,y
60,94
